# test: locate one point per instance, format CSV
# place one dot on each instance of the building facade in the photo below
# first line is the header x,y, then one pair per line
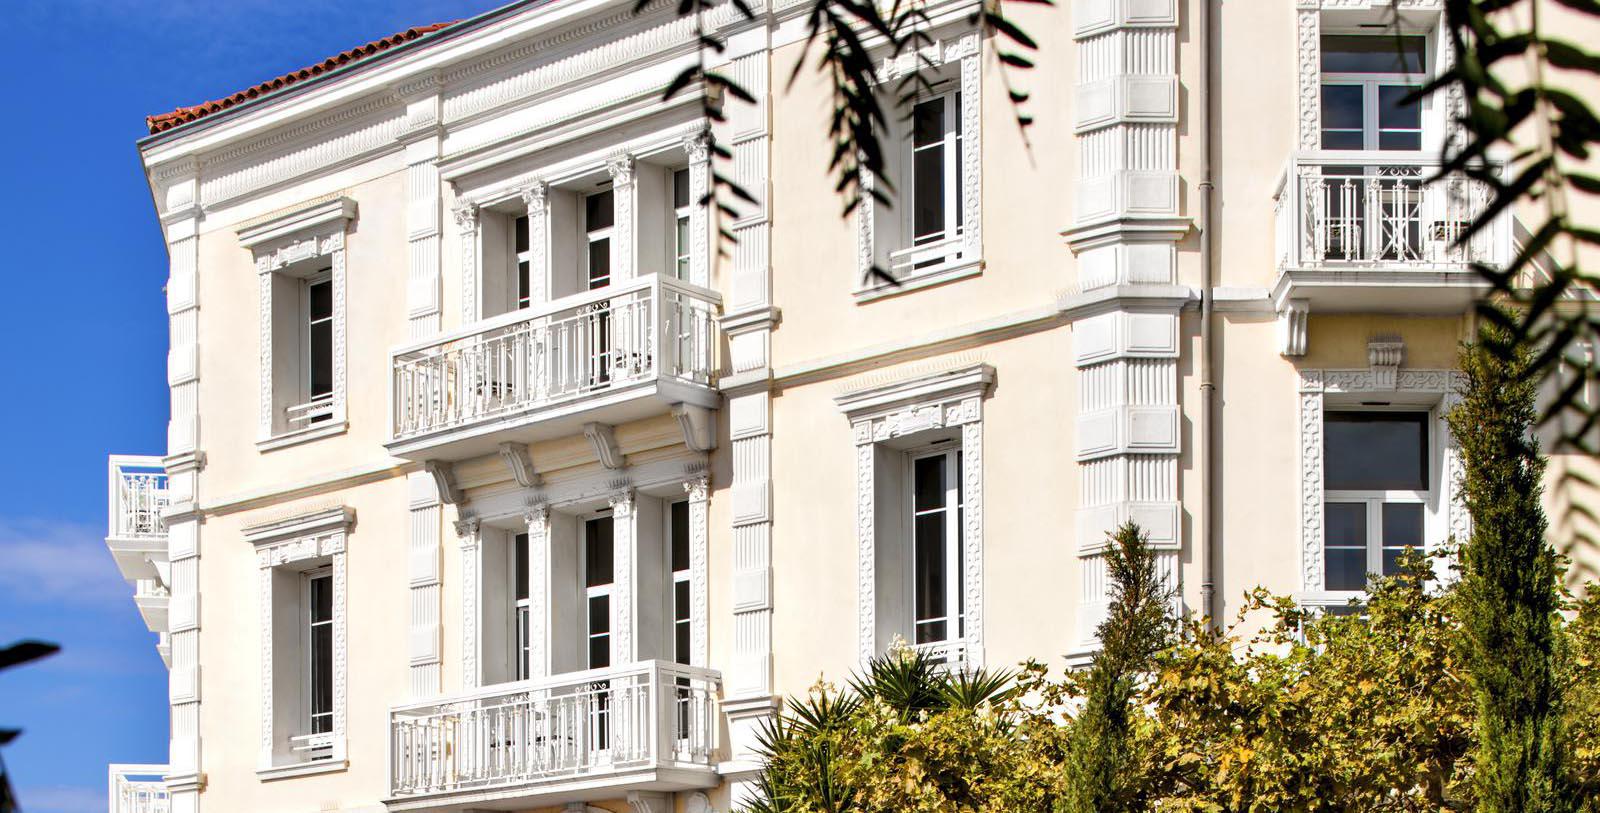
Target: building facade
x,y
505,474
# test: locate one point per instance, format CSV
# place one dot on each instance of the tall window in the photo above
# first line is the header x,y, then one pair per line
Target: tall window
x,y
681,210
520,604
936,600
317,327
681,609
599,215
523,260
319,663
1375,492
1365,80
933,181
597,580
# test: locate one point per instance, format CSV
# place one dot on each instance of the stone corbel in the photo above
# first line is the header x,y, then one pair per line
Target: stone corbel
x,y
698,424
1294,319
644,801
520,463
603,437
444,478
1385,356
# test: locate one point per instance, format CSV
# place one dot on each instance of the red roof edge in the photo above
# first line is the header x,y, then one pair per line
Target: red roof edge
x,y
162,122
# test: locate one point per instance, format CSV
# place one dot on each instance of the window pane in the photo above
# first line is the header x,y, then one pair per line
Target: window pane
x,y
1395,112
1341,107
680,601
927,126
321,359
522,285
1402,528
321,669
680,641
600,652
928,580
1345,545
598,212
1399,140
597,552
321,300
680,536
929,475
599,615
522,234
680,188
599,263
1343,140
521,576
1377,451
927,185
931,632
321,599
1379,53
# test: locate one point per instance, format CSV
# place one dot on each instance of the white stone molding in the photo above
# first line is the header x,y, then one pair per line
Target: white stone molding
x,y
422,139
318,535
1308,24
537,518
467,535
623,230
625,539
1294,328
466,217
881,411
698,148
536,196
444,479
425,581
1439,390
295,235
698,424
964,51
699,491
1385,358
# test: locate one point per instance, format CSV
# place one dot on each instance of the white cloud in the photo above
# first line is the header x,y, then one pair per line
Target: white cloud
x,y
56,562
62,799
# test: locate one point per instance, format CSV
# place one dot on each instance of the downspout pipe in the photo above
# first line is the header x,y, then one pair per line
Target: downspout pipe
x,y
1207,385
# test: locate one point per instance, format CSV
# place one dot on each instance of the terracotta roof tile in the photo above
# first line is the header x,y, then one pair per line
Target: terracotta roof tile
x,y
161,122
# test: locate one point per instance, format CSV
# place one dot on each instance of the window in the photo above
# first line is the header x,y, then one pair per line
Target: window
x,y
599,214
597,582
1375,493
318,311
318,603
680,210
682,614
931,181
1365,82
523,258
520,605
936,548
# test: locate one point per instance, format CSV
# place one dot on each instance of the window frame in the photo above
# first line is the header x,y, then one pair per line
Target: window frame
x,y
682,223
1370,83
929,257
521,262
1375,499
950,452
517,554
308,654
592,236
606,590
313,410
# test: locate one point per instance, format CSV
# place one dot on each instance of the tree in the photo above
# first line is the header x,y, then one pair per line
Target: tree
x,y
1100,751
1509,587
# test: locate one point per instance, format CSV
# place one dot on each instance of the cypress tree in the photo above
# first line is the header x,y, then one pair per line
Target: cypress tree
x,y
1509,584
1099,775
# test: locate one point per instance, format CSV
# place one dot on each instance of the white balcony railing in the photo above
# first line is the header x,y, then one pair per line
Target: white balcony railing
x,y
138,789
649,715
138,495
600,340
1371,209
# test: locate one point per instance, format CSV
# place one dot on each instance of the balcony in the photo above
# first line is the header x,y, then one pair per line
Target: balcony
x,y
138,789
649,726
611,355
1377,231
137,538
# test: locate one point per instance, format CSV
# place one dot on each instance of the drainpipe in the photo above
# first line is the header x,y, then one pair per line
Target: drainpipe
x,y
1208,586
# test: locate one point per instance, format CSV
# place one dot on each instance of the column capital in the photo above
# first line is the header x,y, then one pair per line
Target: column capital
x,y
467,529
698,146
698,488
466,215
534,195
536,515
621,168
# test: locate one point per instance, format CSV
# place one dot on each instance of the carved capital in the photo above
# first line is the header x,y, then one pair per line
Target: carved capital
x,y
536,516
535,196
698,488
466,215
621,168
467,529
698,146
621,503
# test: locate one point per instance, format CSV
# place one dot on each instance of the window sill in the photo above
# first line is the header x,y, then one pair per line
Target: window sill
x,y
320,766
306,435
1329,598
925,278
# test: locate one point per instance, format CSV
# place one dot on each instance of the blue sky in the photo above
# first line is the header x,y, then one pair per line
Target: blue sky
x,y
86,329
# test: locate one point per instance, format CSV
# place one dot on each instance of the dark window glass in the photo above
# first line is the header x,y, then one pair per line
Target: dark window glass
x,y
927,214
1341,107
960,208
930,569
1402,528
1343,140
1372,54
522,566
321,300
321,679
521,234
1377,451
1345,545
680,188
599,263
928,122
597,570
321,360
929,476
599,615
680,627
1396,111
321,599
680,536
598,212
1399,141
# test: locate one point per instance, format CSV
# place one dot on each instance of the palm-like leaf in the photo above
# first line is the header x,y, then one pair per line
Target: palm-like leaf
x,y
906,681
970,691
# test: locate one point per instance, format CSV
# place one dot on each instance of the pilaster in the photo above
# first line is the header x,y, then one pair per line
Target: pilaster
x,y
623,228
540,623
422,138
625,543
536,197
424,567
467,532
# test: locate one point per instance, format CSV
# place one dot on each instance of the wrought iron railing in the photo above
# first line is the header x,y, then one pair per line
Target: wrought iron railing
x,y
138,495
600,340
652,714
1367,209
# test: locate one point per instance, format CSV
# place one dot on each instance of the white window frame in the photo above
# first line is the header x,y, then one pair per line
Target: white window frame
x,y
608,590
521,608
884,235
521,262
302,545
316,744
313,410
949,453
592,236
284,244
1375,499
948,248
682,223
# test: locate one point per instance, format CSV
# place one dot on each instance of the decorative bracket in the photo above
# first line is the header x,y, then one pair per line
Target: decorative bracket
x,y
520,463
644,801
602,436
1385,355
698,424
1294,319
444,479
